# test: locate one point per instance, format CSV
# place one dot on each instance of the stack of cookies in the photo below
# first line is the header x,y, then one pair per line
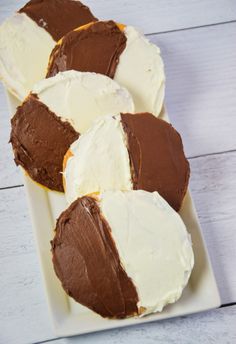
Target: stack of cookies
x,y
92,124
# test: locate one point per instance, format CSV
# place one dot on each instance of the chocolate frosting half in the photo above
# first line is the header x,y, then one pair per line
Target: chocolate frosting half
x,y
87,262
40,140
94,49
157,157
58,17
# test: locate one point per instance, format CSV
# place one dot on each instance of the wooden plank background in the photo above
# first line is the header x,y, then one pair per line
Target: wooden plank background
x,y
153,15
197,39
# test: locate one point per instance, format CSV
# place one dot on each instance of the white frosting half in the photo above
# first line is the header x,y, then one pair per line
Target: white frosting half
x,y
153,243
25,48
82,97
141,71
100,161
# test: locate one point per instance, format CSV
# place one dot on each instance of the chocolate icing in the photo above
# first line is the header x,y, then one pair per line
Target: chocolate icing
x,y
58,17
40,140
94,49
87,262
157,157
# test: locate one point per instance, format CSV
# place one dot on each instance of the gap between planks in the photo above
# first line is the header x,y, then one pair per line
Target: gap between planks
x,y
189,158
228,304
191,28
74,338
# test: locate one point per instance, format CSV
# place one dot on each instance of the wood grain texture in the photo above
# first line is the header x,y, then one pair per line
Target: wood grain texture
x,y
9,174
200,93
214,327
23,308
213,186
154,15
162,15
22,301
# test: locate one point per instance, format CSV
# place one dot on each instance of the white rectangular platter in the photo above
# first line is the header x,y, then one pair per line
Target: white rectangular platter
x,y
68,317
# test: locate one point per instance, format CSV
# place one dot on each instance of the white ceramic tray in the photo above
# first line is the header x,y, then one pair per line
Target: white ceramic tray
x,y
68,317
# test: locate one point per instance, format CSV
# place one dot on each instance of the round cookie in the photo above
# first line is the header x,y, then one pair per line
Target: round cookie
x,y
126,152
122,254
28,37
119,52
53,116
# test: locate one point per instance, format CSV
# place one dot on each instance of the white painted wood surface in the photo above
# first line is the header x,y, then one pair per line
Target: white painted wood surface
x,y
200,328
200,92
213,186
163,15
9,174
153,15
201,73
